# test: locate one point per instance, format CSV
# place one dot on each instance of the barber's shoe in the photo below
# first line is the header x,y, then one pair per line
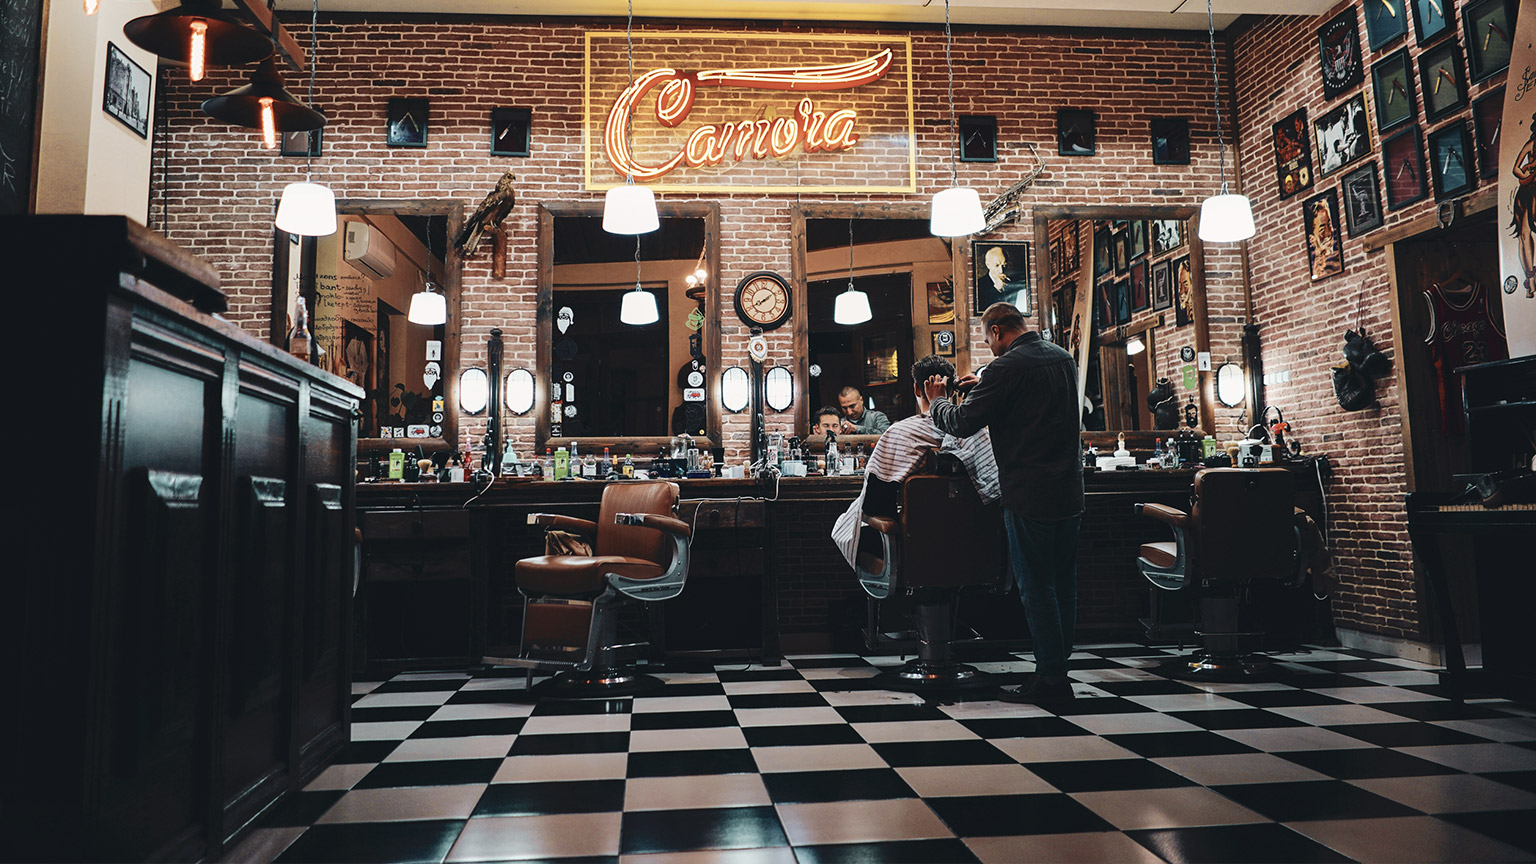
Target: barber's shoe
x,y
1039,690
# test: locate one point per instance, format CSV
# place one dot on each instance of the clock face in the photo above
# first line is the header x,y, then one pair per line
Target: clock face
x,y
762,300
1385,20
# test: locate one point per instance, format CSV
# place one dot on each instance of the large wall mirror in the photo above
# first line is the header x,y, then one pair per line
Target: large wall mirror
x,y
1123,288
917,294
358,285
614,373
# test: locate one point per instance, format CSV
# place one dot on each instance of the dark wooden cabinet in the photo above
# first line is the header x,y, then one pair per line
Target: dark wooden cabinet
x,y
180,609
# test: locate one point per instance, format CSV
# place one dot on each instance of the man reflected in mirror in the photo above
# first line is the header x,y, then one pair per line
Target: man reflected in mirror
x,y
857,419
828,420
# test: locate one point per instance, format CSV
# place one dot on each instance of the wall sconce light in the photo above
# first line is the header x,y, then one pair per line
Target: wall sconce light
x,y
735,389
779,388
1229,385
474,390
519,391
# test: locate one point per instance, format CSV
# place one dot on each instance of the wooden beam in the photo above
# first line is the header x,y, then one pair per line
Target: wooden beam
x,y
266,22
1471,205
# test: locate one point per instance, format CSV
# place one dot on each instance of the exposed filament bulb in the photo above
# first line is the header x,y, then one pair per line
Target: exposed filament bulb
x,y
199,40
91,6
268,124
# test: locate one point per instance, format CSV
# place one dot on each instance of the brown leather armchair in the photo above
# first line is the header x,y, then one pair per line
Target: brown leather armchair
x,y
1239,530
940,539
571,602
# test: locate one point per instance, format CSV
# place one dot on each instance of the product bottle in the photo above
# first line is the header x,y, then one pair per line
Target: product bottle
x,y
834,465
562,464
509,462
1157,455
629,465
298,339
396,464
605,470
859,460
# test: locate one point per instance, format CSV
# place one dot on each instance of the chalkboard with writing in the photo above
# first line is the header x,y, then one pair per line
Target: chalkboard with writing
x,y
21,23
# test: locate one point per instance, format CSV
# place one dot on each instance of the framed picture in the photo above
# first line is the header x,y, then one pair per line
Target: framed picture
x,y
1338,46
1450,161
1056,255
1362,200
1170,141
1432,19
1140,299
1440,78
125,94
1402,169
1342,135
1122,243
1167,235
1070,254
1104,310
511,131
1183,291
407,123
1122,301
1138,241
1487,118
1324,251
941,302
1103,260
1162,285
1385,20
944,343
301,143
1002,275
1293,154
1392,84
1489,27
978,138
1075,133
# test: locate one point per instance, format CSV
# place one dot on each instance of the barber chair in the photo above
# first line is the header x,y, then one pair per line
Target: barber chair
x,y
940,540
571,602
1239,531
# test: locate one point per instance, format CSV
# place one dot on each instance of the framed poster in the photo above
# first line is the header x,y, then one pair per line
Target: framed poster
x,y
1001,275
1487,118
125,94
1070,255
1489,26
1385,20
1170,141
1325,254
1338,46
1138,241
1392,84
1140,299
1293,154
511,131
1122,301
978,138
1075,133
1104,310
1183,291
1122,244
941,302
407,123
1362,200
1343,135
1103,260
1432,19
1167,235
1440,77
1162,286
1402,169
1450,161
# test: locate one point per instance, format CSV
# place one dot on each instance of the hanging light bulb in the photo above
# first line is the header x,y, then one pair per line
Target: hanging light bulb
x,y
249,106
198,33
630,209
956,211
198,52
851,306
1224,218
268,125
91,6
308,208
428,306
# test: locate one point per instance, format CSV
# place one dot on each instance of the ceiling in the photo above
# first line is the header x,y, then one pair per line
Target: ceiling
x,y
1091,14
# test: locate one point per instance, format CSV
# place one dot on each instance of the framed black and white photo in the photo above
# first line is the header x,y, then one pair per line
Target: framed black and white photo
x,y
1392,84
978,138
1162,285
1170,141
1432,19
1338,45
407,123
306,143
1441,80
1450,161
1075,132
1489,27
1362,200
511,131
1293,153
1001,275
1342,135
1487,119
126,93
1167,235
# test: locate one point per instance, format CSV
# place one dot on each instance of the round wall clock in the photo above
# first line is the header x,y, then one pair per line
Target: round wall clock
x,y
762,300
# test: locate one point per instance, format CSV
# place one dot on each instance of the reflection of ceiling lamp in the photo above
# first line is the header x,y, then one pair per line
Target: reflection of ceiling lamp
x,y
639,305
474,390
851,306
630,209
1229,385
779,388
519,391
309,208
198,34
735,389
956,211
1224,218
427,306
1134,346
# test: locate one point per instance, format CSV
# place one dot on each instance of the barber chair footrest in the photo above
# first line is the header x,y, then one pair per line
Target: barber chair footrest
x,y
921,676
596,684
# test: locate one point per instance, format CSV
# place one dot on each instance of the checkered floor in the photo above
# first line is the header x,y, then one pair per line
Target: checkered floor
x,y
1364,758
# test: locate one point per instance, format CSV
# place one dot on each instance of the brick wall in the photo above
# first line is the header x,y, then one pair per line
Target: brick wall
x,y
1303,322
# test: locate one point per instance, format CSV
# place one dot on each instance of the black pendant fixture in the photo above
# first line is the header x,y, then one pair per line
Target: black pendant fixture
x,y
264,104
198,33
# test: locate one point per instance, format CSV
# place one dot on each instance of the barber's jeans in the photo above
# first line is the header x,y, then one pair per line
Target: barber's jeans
x,y
1044,560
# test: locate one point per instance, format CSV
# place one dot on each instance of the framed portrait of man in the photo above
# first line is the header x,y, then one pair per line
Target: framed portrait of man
x,y
1002,275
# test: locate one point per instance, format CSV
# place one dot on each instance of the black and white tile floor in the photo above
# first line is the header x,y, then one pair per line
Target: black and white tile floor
x,y
1358,757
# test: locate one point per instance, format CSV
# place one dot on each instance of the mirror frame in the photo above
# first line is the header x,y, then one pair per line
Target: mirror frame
x,y
959,255
549,211
1190,214
454,211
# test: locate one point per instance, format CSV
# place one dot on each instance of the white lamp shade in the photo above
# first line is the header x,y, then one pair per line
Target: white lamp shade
x,y
852,307
735,389
308,209
519,396
1226,219
428,307
639,307
956,212
630,209
1229,385
1134,346
474,390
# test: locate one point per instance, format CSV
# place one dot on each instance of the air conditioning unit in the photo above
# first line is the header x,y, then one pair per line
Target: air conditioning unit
x,y
367,249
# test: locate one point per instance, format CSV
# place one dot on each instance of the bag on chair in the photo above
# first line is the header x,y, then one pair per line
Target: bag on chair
x,y
565,543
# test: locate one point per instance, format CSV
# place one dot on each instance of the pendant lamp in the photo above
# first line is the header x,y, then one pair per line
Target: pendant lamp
x,y
308,208
1224,218
851,306
199,34
639,306
427,306
630,209
956,211
264,104
91,6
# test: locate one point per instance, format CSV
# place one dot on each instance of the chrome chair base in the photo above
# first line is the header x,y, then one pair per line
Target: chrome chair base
x,y
597,683
1226,668
922,676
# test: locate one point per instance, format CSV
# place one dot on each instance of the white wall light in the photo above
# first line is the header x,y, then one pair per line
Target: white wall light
x,y
519,391
735,389
1229,385
474,390
779,388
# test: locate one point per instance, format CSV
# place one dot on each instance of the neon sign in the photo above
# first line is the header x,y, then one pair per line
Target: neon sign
x,y
806,128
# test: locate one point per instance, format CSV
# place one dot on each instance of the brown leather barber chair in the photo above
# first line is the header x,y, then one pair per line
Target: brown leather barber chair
x,y
1238,532
571,602
939,539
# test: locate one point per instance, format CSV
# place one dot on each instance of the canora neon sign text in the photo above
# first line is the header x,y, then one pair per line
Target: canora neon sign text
x,y
815,131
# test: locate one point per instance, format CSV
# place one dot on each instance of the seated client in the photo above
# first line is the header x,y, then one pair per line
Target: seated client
x,y
902,447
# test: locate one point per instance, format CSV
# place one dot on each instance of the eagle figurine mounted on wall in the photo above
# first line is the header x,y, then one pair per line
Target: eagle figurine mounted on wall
x,y
487,217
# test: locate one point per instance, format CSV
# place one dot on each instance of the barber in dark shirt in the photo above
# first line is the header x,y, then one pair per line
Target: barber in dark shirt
x,y
1028,399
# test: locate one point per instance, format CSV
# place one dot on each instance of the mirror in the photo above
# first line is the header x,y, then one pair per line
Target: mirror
x,y
607,383
357,286
910,279
1123,289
